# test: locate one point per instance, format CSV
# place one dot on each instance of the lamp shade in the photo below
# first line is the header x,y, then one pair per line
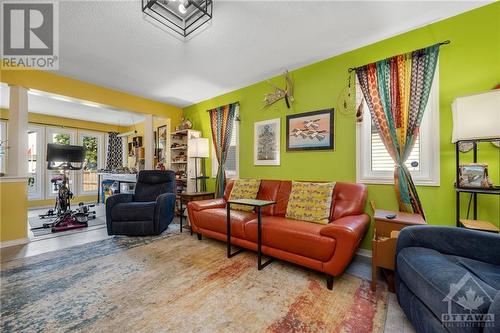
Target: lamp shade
x,y
198,147
476,116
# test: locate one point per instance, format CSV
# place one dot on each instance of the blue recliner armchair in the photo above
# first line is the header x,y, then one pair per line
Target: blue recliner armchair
x,y
448,279
148,211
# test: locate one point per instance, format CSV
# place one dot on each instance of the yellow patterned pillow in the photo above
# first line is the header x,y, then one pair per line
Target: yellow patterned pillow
x,y
310,202
244,189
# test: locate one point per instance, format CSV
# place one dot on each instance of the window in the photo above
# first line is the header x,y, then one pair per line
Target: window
x,y
36,161
232,159
94,158
3,147
375,166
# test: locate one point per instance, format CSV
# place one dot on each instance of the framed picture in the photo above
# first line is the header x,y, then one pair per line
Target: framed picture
x,y
131,149
137,140
474,175
155,140
161,145
310,130
267,142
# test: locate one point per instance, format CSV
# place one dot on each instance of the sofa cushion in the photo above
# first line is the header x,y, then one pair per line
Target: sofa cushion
x,y
299,237
244,189
348,199
152,183
432,276
310,202
215,220
489,273
133,211
269,191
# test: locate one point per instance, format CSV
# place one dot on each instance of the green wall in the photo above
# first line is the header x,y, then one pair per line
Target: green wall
x,y
470,64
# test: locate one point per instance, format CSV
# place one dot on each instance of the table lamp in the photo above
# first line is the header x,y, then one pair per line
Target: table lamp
x,y
198,149
476,117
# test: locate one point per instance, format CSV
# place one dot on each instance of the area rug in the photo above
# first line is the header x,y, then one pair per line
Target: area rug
x,y
175,283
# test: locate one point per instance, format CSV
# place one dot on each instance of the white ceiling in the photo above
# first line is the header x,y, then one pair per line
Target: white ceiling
x,y
111,44
60,106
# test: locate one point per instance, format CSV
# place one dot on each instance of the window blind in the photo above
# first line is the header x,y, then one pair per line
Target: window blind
x,y
382,161
231,155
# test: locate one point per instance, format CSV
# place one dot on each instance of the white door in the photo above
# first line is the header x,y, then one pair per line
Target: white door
x,y
3,146
94,160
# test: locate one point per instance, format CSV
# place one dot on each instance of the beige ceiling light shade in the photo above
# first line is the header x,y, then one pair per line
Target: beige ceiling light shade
x,y
476,116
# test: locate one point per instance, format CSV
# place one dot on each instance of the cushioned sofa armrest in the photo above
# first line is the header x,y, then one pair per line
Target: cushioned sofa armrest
x,y
348,232
494,310
164,210
206,204
111,202
461,242
353,226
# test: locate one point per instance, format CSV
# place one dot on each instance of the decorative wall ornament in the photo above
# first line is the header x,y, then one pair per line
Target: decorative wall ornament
x,y
310,130
267,142
351,100
279,94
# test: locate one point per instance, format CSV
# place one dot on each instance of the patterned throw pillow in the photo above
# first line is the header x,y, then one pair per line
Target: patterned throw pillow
x,y
244,189
310,202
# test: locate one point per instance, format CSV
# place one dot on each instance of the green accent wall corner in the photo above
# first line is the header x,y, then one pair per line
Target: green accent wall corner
x,y
470,64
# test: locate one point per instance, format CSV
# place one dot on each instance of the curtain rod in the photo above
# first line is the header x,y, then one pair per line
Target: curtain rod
x,y
446,42
237,103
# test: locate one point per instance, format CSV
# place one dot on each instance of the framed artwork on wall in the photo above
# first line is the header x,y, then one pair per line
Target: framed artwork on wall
x,y
267,142
311,130
137,140
161,145
131,149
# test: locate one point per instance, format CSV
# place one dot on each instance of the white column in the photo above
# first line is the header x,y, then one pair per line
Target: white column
x,y
148,142
125,151
17,134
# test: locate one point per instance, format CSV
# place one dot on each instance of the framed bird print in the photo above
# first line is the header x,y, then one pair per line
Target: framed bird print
x,y
311,130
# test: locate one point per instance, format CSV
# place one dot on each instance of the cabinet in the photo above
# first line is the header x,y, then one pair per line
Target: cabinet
x,y
385,237
180,161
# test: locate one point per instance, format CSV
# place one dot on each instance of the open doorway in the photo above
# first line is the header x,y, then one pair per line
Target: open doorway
x,y
69,121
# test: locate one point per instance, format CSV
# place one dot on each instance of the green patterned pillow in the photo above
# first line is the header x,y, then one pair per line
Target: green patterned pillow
x,y
310,202
244,189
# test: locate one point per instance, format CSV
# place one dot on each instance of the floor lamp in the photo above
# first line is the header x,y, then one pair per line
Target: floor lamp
x,y
198,149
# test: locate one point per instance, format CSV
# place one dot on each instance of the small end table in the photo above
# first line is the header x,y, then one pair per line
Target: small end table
x,y
192,196
385,237
258,204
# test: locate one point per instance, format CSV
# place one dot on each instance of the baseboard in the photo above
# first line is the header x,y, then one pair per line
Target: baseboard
x,y
364,253
14,242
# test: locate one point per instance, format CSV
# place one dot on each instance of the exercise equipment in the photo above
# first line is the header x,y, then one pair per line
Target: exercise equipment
x,y
65,158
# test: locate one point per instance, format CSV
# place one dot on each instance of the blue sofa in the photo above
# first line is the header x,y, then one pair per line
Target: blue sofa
x,y
448,279
148,211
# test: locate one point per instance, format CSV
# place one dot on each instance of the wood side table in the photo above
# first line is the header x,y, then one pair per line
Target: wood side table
x,y
385,237
192,196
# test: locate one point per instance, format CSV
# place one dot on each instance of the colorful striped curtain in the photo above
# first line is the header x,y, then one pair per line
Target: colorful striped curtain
x,y
221,122
396,91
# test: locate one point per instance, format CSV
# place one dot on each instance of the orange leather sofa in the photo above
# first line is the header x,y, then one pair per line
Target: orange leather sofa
x,y
326,248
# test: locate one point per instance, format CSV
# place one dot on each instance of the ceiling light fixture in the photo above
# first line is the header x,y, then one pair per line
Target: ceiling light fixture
x,y
182,16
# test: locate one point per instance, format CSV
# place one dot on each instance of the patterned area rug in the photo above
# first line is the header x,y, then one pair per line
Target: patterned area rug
x,y
175,283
